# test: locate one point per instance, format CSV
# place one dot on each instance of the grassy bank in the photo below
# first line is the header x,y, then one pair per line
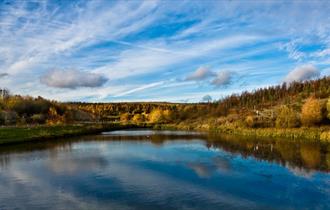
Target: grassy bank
x,y
304,133
10,135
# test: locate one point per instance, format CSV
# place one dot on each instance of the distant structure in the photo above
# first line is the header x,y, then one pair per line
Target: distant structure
x,y
4,93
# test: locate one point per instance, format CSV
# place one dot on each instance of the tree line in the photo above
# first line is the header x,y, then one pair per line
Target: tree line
x,y
284,106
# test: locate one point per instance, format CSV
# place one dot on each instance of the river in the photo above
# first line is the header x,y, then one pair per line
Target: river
x,y
145,169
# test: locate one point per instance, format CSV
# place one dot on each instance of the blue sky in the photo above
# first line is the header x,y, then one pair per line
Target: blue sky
x,y
177,51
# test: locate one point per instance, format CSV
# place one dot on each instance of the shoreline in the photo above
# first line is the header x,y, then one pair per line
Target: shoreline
x,y
315,134
15,135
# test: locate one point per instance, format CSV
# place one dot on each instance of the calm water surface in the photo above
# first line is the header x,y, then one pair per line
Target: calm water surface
x,y
141,169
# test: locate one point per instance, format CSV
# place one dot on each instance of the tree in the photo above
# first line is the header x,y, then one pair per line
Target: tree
x,y
156,116
311,112
250,121
138,118
207,99
287,118
328,108
168,115
124,117
54,117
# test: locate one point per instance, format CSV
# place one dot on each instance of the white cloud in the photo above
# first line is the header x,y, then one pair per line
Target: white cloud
x,y
222,78
301,73
72,79
141,88
133,41
157,55
322,53
201,73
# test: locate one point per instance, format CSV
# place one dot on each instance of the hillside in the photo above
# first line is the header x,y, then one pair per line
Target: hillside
x,y
295,105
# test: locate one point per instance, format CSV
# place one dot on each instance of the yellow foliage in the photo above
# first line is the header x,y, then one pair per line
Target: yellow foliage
x,y
138,118
124,117
156,116
286,118
168,115
328,108
311,112
53,117
249,121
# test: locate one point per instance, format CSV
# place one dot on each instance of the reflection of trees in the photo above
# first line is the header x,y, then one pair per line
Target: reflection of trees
x,y
4,161
310,155
288,153
327,160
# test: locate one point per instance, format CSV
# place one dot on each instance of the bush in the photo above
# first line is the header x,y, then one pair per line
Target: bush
x,y
250,121
311,112
287,118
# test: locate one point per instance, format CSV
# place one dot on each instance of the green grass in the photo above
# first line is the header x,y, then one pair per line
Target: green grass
x,y
304,133
10,135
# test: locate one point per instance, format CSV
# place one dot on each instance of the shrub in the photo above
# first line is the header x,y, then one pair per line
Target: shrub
x,y
311,112
287,118
250,121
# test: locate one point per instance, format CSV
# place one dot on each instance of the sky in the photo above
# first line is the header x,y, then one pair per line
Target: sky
x,y
175,51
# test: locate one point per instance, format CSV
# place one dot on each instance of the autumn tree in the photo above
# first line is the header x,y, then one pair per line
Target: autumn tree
x,y
311,112
168,115
125,117
54,117
286,118
138,118
328,108
156,116
250,122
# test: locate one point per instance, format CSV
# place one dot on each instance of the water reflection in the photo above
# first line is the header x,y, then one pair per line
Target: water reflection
x,y
164,170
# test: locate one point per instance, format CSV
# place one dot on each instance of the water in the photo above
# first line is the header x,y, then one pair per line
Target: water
x,y
144,169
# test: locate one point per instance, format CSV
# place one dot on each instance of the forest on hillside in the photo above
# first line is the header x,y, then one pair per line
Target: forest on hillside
x,y
284,106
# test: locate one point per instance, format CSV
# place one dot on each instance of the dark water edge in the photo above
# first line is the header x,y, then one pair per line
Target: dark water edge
x,y
146,169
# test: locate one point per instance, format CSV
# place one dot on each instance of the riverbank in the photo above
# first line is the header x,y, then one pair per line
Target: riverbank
x,y
321,134
11,135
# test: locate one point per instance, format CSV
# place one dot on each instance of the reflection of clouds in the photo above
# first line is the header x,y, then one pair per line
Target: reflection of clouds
x,y
141,132
77,164
203,170
213,165
222,163
154,186
297,171
38,193
120,175
32,188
